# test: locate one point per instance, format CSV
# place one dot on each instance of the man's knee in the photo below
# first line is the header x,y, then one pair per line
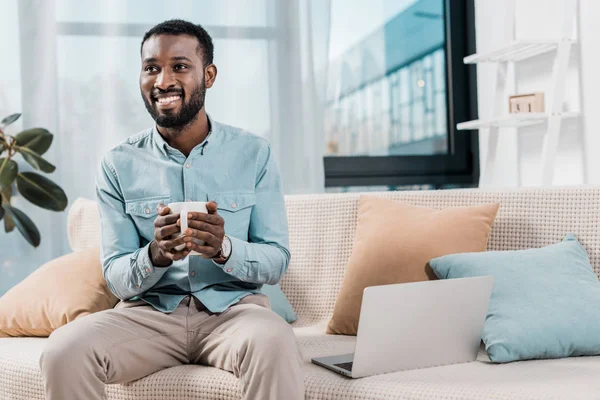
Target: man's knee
x,y
68,349
272,334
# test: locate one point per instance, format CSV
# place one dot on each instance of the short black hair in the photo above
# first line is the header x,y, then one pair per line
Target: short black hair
x,y
181,27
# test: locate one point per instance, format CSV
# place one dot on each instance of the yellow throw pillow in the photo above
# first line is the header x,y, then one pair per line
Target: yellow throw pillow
x,y
394,242
64,289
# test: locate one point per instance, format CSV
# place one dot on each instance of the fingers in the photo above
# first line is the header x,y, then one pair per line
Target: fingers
x,y
216,230
205,251
205,228
163,210
163,232
214,219
211,206
163,220
206,237
165,249
169,245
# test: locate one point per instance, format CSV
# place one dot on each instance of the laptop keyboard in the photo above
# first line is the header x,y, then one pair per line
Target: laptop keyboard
x,y
347,366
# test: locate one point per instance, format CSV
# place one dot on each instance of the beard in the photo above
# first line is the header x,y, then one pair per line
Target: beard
x,y
188,111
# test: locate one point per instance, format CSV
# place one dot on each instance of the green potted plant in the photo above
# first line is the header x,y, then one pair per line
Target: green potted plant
x,y
30,144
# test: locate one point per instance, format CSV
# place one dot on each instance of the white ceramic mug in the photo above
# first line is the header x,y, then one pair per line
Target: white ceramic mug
x,y
183,208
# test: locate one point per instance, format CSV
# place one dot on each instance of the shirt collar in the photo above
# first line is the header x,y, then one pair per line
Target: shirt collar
x,y
163,146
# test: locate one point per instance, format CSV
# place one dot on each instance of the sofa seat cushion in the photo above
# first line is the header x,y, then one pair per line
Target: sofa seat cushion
x,y
572,378
20,378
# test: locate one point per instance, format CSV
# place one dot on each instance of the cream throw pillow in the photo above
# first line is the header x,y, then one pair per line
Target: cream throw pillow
x,y
64,289
394,242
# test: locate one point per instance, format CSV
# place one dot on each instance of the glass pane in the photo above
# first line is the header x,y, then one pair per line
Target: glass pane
x,y
238,89
398,47
99,102
208,12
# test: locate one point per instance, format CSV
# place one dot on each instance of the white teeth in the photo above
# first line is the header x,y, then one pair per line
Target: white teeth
x,y
164,100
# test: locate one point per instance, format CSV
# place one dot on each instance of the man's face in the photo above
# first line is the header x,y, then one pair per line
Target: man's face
x,y
172,79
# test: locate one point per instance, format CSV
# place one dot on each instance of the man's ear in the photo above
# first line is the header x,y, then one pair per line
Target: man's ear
x,y
210,75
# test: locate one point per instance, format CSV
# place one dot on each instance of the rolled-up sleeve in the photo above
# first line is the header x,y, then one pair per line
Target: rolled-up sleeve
x,y
126,266
265,257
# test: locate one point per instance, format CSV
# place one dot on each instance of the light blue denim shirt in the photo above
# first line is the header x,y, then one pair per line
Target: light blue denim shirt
x,y
231,167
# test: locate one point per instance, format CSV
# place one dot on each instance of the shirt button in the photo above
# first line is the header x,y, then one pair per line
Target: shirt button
x,y
193,273
229,270
187,165
147,210
148,270
137,286
233,205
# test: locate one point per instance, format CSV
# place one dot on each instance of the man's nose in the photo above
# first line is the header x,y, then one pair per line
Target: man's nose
x,y
164,80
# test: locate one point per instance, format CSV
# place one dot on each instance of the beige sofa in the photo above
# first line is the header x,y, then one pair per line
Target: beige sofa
x,y
322,228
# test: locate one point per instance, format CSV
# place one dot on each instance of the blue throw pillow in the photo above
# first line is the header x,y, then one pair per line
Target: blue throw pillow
x,y
279,303
545,302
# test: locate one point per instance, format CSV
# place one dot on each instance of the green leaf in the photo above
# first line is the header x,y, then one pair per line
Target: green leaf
x,y
41,191
36,139
35,160
9,120
8,171
2,148
1,212
24,224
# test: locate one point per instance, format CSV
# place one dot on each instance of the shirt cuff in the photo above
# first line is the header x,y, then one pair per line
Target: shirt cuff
x,y
236,264
148,274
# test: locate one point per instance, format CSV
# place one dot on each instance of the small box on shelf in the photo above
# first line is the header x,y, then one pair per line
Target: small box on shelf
x,y
526,103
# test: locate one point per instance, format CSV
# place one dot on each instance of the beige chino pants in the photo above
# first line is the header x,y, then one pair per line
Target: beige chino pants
x,y
134,340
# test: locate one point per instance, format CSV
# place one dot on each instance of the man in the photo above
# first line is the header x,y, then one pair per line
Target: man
x,y
179,308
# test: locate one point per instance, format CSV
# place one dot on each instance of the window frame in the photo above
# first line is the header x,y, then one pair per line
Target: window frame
x,y
460,166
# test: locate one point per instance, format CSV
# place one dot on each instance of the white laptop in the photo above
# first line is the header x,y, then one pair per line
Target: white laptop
x,y
416,325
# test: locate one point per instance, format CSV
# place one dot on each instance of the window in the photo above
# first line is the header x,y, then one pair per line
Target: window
x,y
396,90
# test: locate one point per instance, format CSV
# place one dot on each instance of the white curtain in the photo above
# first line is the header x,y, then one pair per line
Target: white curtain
x,y
72,67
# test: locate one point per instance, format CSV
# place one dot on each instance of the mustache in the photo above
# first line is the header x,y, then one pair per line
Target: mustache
x,y
157,92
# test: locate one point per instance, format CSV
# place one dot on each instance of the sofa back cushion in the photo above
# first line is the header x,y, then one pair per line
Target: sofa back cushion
x,y
394,242
322,229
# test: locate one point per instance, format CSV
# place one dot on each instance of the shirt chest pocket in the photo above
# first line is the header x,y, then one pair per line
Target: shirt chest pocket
x,y
143,212
235,209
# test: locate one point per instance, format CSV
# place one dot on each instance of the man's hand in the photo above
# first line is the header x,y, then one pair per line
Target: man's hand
x,y
208,228
162,249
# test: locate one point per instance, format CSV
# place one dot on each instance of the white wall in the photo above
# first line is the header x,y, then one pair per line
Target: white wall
x,y
519,153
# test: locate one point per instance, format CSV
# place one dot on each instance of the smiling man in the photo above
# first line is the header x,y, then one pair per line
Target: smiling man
x,y
179,308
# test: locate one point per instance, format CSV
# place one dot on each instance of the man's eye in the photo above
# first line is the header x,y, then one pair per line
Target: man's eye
x,y
180,66
150,69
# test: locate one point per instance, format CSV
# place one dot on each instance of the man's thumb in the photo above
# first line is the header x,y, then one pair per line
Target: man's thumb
x,y
211,206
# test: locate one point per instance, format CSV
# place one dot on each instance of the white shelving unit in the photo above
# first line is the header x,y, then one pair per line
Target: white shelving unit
x,y
513,121
513,52
517,50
